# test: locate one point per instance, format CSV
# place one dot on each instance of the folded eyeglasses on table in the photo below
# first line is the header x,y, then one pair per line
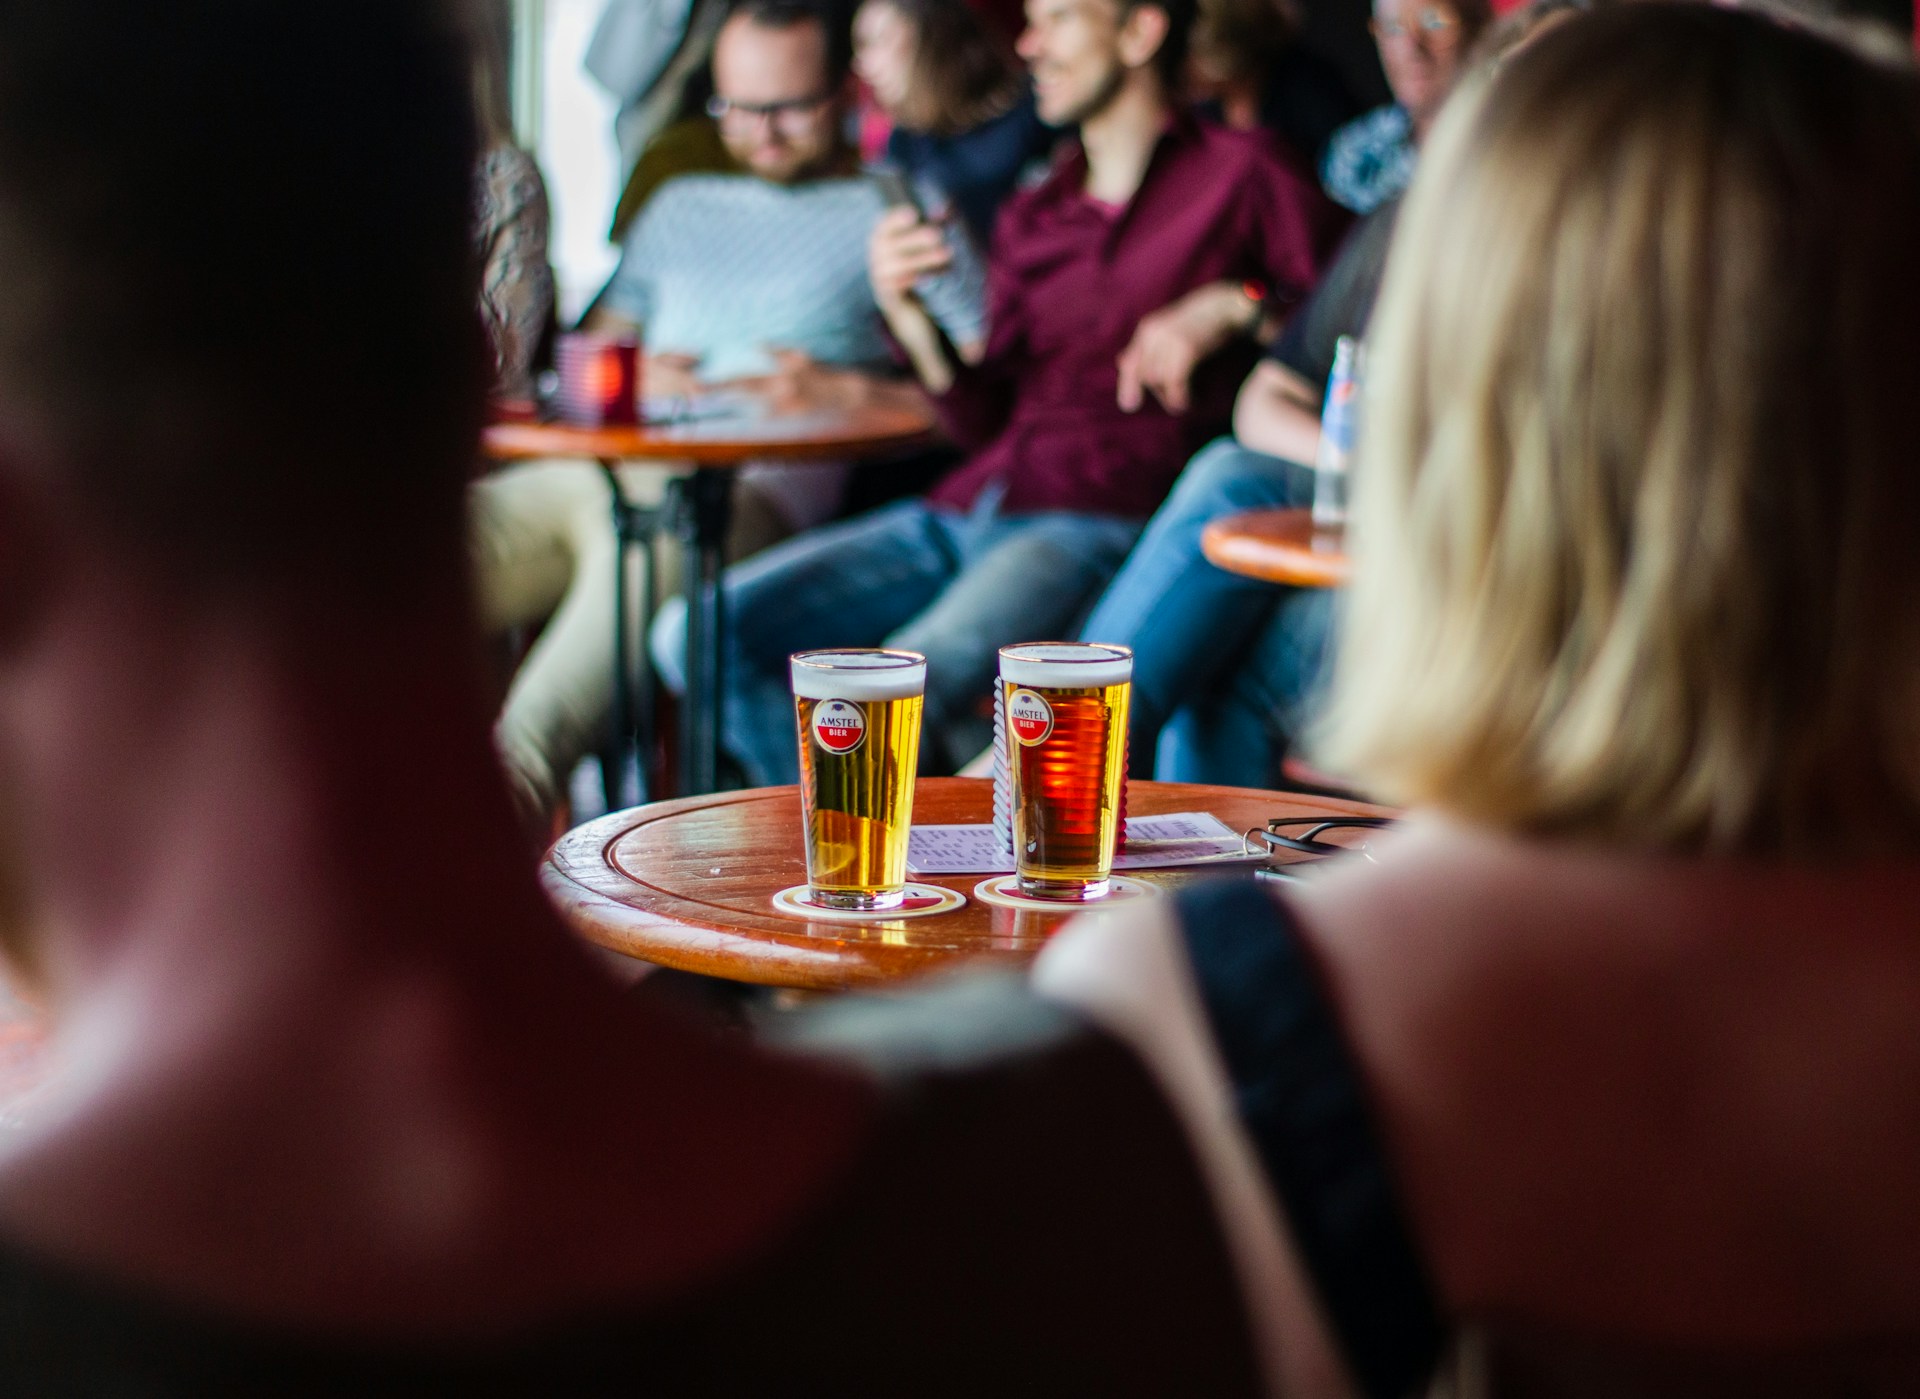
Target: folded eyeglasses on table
x,y
1308,842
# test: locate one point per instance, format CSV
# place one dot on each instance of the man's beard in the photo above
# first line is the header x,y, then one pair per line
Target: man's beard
x,y
1099,100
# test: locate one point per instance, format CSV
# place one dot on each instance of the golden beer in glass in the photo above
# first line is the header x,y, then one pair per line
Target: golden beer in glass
x,y
859,724
1064,707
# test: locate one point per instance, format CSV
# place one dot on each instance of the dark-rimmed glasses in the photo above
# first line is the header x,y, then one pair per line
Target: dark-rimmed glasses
x,y
1437,25
790,114
1308,842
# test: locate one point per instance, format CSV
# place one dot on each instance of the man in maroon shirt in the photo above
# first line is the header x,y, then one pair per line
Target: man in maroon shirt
x,y
1127,293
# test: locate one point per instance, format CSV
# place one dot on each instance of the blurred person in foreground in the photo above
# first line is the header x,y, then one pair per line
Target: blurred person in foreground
x,y
1422,44
1605,1060
963,114
752,280
337,1105
1126,295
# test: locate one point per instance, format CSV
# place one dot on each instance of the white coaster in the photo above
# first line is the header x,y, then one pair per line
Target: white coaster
x,y
1004,890
922,900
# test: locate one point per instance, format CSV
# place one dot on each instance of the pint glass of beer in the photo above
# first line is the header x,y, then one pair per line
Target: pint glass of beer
x,y
1065,710
859,716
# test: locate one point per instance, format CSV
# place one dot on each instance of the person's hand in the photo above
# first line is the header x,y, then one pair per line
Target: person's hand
x,y
671,375
801,384
1170,342
904,248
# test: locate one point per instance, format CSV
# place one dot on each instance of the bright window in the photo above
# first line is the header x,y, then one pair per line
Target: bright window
x,y
568,121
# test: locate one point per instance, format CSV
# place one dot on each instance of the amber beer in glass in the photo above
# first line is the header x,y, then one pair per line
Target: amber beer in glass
x,y
859,717
1065,712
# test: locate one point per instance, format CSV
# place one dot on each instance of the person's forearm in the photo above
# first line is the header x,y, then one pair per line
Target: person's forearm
x,y
925,347
1226,311
899,394
1268,421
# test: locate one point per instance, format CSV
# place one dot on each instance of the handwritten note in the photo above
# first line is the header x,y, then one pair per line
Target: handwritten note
x,y
1153,842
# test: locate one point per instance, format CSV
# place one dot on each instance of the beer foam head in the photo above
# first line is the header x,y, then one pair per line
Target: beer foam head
x,y
1066,664
858,675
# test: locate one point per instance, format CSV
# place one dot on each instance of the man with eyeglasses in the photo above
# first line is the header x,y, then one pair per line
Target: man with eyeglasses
x,y
763,271
756,277
1422,44
1128,290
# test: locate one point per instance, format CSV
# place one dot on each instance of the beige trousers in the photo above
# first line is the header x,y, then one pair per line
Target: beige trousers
x,y
543,548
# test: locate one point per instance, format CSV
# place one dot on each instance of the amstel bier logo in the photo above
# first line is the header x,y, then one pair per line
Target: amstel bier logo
x,y
839,726
1029,716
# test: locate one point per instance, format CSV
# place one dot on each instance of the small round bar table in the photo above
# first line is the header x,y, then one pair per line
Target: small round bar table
x,y
699,505
689,884
1278,546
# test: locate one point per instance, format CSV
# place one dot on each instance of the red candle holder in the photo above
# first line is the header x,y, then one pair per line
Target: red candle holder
x,y
599,380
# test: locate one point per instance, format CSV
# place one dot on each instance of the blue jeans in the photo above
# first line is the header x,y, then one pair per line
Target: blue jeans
x,y
1202,648
1238,731
955,587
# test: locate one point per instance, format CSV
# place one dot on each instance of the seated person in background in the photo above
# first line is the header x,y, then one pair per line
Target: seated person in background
x,y
1232,661
655,57
1609,1050
758,276
1115,287
1249,69
651,57
511,220
337,1106
1370,159
1226,669
962,111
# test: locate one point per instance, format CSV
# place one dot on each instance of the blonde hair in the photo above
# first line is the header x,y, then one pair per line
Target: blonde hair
x,y
1637,517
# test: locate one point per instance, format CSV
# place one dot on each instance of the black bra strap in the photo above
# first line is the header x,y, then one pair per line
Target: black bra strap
x,y
1303,1103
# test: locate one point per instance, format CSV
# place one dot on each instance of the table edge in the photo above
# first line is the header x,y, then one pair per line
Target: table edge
x,y
1248,559
507,442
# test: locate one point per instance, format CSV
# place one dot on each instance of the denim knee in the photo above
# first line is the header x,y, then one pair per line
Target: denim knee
x,y
1224,476
667,641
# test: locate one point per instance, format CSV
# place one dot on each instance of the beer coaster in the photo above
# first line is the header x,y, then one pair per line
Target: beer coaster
x,y
1004,890
922,900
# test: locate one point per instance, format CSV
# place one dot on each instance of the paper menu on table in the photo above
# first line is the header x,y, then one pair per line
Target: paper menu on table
x,y
1182,838
956,850
1154,842
664,409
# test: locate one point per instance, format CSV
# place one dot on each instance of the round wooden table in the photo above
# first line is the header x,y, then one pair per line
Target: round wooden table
x,y
688,884
722,441
710,448
1278,546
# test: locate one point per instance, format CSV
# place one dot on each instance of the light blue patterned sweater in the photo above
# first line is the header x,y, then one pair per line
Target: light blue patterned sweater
x,y
726,267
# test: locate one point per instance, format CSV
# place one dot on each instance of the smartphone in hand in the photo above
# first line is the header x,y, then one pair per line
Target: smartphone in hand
x,y
897,190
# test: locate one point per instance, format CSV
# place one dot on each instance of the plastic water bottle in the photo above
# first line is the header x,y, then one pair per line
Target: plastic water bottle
x,y
1337,421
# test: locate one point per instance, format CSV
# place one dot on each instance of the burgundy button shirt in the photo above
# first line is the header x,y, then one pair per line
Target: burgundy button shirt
x,y
1070,279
